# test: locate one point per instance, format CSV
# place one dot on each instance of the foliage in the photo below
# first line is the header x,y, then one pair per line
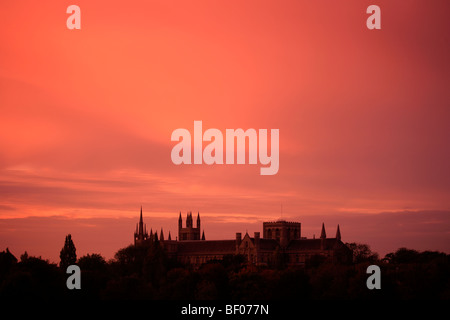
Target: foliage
x,y
362,253
145,272
32,278
68,254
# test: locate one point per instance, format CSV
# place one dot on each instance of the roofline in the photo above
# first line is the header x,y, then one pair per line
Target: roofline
x,y
283,221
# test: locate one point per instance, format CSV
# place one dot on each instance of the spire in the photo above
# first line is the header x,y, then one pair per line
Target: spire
x,y
198,220
338,233
203,235
141,224
161,237
169,238
141,230
189,220
323,235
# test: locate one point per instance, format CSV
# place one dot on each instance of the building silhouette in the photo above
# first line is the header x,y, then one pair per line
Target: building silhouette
x,y
189,232
140,235
281,240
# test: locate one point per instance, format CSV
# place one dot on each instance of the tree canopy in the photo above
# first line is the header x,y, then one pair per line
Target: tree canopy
x,y
68,254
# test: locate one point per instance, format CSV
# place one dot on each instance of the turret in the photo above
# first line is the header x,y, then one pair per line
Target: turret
x,y
338,234
189,220
323,237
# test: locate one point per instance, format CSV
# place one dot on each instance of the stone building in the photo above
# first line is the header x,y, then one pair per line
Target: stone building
x,y
281,240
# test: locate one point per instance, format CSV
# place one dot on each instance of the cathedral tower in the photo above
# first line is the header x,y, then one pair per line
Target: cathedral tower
x,y
189,232
282,231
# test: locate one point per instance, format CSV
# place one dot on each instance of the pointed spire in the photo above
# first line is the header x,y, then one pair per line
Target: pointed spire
x,y
189,223
169,238
161,237
141,224
338,233
198,220
323,235
203,235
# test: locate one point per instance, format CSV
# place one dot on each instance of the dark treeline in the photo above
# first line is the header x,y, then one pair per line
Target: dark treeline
x,y
145,272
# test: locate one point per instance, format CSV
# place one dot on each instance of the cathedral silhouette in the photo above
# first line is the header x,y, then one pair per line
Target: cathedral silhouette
x,y
281,240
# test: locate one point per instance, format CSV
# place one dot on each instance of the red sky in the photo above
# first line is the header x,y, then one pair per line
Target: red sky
x,y
86,118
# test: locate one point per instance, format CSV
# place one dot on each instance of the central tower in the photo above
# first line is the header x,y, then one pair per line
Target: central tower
x,y
282,231
189,232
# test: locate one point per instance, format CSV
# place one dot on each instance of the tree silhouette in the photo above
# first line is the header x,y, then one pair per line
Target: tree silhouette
x,y
362,253
68,253
92,262
147,272
95,276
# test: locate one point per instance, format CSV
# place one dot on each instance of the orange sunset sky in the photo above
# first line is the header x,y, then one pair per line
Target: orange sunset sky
x,y
86,118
